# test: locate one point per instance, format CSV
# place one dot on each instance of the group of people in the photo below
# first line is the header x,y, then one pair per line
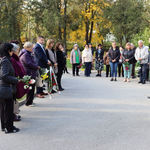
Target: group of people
x,y
117,60
14,65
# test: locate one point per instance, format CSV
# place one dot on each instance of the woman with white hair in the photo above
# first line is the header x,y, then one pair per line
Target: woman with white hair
x,y
30,67
75,59
19,72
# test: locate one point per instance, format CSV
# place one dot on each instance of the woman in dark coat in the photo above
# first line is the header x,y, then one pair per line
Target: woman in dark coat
x,y
7,80
128,57
61,64
19,72
30,67
114,56
99,60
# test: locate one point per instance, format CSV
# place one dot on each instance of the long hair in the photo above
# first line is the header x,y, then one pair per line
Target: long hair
x,y
4,48
49,41
57,46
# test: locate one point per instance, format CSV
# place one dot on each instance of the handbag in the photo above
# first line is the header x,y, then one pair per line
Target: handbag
x,y
6,93
16,107
38,82
120,60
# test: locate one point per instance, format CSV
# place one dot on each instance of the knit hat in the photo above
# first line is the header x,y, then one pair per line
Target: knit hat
x,y
75,45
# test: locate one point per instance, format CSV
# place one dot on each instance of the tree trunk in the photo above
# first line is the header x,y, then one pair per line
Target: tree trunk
x,y
91,31
87,30
65,24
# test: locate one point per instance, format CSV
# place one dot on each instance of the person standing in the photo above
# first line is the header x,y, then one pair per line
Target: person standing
x,y
75,59
19,72
41,60
148,66
7,80
65,60
99,60
128,56
141,55
92,49
61,64
106,62
87,59
52,56
30,67
120,66
134,62
114,56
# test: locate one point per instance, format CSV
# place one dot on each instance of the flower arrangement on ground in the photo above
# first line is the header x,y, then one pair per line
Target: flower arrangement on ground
x,y
49,76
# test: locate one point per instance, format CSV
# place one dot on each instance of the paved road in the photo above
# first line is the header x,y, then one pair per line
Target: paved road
x,y
91,114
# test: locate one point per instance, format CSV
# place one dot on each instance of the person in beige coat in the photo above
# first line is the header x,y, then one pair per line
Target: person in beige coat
x,y
106,62
87,59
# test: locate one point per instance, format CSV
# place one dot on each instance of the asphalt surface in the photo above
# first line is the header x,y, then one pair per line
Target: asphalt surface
x,y
91,114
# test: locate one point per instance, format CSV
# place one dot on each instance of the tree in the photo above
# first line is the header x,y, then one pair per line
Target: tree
x,y
126,18
11,20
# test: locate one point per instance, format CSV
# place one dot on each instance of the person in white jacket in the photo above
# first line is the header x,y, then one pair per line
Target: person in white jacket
x,y
87,59
141,55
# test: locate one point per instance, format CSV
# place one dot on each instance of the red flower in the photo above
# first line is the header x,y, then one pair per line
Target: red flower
x,y
127,68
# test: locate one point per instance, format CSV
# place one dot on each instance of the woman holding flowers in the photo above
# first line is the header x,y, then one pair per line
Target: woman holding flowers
x,y
19,72
127,56
30,67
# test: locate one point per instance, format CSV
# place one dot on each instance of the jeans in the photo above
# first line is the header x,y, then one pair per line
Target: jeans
x,y
87,68
113,66
142,72
127,73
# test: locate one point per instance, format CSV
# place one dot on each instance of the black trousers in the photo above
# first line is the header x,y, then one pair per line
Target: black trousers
x,y
120,70
75,67
30,95
147,74
65,70
107,70
6,112
59,76
133,70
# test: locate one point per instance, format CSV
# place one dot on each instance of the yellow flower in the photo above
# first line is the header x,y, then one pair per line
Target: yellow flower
x,y
45,76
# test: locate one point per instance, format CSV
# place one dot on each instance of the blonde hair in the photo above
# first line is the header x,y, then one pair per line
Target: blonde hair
x,y
114,42
27,45
128,44
49,41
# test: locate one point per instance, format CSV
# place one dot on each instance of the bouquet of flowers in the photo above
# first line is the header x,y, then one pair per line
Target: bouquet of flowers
x,y
127,65
27,80
49,76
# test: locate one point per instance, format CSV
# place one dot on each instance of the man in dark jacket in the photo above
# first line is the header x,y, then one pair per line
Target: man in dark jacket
x,y
134,62
41,60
